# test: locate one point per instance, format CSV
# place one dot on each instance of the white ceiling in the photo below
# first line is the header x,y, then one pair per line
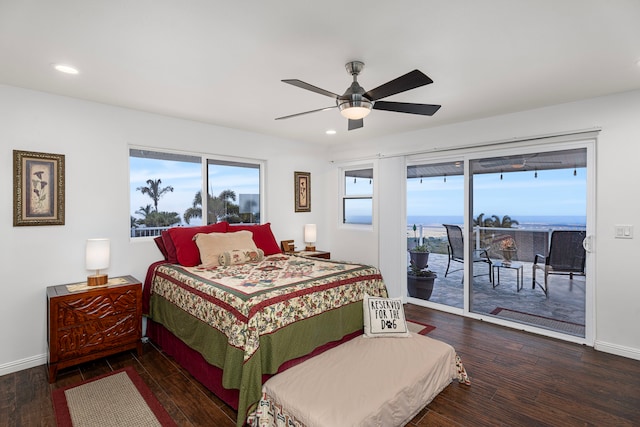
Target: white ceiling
x,y
221,62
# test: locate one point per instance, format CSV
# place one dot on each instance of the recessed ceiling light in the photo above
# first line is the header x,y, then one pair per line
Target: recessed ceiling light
x,y
331,132
67,69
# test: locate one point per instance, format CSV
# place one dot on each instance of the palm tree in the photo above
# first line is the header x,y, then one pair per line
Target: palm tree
x,y
195,211
495,221
144,211
162,219
154,191
225,196
479,221
218,207
505,222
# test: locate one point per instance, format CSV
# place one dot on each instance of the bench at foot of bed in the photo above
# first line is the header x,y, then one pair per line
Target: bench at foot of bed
x,y
364,382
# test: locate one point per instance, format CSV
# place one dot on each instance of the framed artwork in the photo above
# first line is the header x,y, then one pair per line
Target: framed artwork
x,y
302,184
38,188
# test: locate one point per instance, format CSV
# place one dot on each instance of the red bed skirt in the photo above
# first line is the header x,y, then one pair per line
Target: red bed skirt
x,y
211,376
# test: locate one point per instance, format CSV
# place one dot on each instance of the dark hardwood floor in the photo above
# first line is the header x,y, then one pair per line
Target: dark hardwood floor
x,y
517,379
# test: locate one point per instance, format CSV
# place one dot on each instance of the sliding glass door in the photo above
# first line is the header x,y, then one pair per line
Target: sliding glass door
x,y
507,230
435,198
525,205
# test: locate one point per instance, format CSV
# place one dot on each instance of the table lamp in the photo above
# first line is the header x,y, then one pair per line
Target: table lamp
x,y
97,258
310,232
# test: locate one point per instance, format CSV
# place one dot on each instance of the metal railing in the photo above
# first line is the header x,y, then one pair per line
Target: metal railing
x,y
147,231
528,241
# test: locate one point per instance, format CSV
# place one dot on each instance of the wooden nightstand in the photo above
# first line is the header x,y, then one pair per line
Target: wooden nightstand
x,y
88,324
316,254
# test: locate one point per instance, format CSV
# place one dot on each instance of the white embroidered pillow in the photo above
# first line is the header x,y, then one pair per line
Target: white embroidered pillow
x,y
384,317
211,245
240,256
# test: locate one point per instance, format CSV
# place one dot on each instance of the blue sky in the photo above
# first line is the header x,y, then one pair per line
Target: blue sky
x,y
186,180
553,192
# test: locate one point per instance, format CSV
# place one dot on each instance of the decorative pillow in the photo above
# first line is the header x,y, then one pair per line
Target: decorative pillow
x,y
186,250
262,236
172,256
212,245
384,317
240,256
161,247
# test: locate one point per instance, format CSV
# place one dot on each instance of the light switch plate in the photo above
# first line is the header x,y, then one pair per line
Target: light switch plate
x,y
623,232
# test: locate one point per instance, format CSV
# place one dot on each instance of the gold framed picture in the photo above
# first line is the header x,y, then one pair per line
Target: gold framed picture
x,y
302,188
38,188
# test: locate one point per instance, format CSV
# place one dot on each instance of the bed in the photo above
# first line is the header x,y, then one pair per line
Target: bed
x,y
232,326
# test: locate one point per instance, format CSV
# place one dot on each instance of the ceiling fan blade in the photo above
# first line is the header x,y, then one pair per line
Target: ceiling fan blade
x,y
405,107
544,163
312,88
409,81
356,124
306,112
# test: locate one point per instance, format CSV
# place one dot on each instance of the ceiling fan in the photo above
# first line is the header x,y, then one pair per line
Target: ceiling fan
x,y
355,103
516,162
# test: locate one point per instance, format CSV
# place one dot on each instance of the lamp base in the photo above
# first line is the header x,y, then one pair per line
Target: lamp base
x,y
97,279
310,248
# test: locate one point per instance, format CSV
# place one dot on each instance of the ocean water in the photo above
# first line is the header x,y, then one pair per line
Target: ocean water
x,y
524,221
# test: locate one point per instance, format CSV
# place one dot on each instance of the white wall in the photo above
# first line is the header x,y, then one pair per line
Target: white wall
x,y
618,202
94,139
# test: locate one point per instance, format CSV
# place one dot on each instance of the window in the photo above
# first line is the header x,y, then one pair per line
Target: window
x,y
234,192
166,190
357,199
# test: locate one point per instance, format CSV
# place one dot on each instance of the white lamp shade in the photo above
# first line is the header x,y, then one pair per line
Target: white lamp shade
x,y
310,233
355,113
97,254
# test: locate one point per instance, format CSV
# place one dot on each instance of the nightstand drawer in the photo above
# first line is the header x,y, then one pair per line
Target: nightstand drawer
x,y
102,334
88,307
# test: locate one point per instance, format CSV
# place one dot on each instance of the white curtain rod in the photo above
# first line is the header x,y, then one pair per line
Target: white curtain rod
x,y
583,133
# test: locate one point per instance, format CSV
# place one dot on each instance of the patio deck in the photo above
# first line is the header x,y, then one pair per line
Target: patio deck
x,y
566,302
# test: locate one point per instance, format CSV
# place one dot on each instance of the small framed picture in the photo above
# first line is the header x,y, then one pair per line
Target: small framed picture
x,y
38,186
302,184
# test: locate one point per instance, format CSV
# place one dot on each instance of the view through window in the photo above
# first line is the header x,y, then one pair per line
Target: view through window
x,y
166,191
517,202
357,201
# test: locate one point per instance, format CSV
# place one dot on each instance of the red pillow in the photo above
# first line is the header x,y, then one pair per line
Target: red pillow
x,y
161,247
172,257
186,249
262,237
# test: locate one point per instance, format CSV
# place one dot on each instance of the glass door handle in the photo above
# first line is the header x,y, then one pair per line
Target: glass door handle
x,y
587,243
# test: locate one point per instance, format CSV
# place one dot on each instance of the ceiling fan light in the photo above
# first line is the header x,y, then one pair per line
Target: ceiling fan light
x,y
355,110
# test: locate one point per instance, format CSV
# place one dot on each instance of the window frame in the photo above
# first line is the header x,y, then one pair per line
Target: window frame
x,y
344,170
205,158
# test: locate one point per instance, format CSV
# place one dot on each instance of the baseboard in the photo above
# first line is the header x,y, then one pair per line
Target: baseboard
x,y
631,353
19,365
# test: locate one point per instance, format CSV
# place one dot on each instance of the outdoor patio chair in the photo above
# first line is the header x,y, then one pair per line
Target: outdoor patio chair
x,y
566,256
456,251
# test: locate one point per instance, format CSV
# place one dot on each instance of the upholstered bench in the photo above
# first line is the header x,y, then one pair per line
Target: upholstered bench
x,y
363,382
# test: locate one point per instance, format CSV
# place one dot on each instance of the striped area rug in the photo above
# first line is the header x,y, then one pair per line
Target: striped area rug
x,y
544,322
119,398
